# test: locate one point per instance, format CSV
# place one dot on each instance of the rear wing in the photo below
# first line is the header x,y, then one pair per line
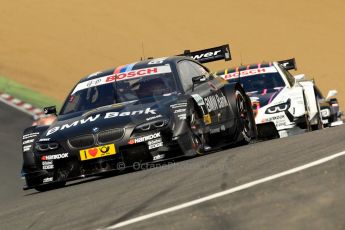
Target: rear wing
x,y
210,55
289,64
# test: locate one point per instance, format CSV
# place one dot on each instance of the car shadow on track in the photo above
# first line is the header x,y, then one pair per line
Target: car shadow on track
x,y
144,166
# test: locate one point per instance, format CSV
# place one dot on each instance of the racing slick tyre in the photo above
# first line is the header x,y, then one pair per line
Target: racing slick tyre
x,y
267,131
319,124
195,142
245,123
305,125
47,187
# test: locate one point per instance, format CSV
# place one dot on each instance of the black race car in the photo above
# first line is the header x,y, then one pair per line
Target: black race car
x,y
148,111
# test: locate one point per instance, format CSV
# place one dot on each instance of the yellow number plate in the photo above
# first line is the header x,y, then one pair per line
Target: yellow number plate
x,y
97,152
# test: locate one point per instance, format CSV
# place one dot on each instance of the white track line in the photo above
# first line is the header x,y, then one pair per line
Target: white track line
x,y
226,192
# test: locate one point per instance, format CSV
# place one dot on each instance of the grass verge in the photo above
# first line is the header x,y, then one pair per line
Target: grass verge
x,y
25,94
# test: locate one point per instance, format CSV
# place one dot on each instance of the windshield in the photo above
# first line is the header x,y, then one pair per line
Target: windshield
x,y
259,82
124,87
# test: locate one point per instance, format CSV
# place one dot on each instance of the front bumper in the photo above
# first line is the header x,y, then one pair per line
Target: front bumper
x,y
141,148
285,124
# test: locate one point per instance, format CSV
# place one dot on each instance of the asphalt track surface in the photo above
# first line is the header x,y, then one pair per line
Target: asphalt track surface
x,y
313,198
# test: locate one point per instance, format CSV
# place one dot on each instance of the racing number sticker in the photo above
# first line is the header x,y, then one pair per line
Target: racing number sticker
x,y
97,152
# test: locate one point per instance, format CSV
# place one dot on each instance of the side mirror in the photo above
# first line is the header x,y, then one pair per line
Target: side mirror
x,y
197,80
50,110
299,77
331,93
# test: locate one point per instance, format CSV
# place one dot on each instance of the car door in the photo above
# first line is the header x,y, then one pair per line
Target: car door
x,y
205,93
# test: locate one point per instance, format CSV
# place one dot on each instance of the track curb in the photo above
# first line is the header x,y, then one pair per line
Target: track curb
x,y
21,105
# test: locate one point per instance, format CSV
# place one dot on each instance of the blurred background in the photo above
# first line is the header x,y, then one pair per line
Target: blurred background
x,y
49,45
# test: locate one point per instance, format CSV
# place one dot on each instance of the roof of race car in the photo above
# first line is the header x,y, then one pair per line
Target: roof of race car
x,y
244,67
134,66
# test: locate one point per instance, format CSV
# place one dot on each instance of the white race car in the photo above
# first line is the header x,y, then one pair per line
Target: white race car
x,y
283,104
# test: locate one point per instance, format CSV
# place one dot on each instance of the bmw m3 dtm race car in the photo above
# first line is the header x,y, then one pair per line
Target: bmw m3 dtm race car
x,y
142,112
283,104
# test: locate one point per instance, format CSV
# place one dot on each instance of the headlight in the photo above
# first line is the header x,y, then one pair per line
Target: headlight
x,y
279,108
152,125
42,147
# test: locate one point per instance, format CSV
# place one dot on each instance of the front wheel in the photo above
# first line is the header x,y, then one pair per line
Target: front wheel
x,y
319,124
245,122
195,142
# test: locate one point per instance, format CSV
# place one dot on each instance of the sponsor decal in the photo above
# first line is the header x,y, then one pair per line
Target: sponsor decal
x,y
44,139
206,55
47,165
159,157
30,135
54,157
154,117
211,103
144,138
139,73
275,118
156,143
279,121
26,148
175,106
280,124
180,111
132,113
151,71
97,152
47,179
215,102
28,141
76,123
207,119
157,61
198,99
182,116
96,117
249,72
124,68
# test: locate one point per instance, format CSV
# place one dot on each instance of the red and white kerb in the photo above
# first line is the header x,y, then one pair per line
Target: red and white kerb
x,y
21,105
